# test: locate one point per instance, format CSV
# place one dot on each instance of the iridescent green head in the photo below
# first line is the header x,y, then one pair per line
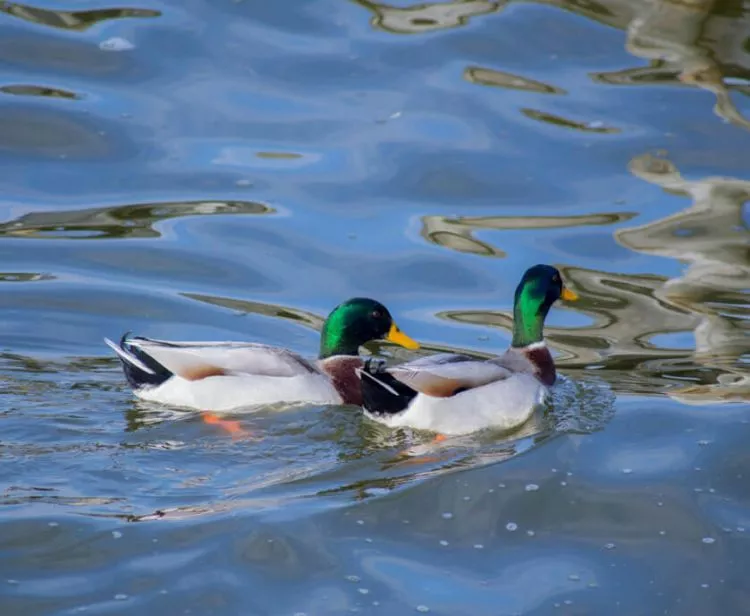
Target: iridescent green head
x,y
356,322
540,287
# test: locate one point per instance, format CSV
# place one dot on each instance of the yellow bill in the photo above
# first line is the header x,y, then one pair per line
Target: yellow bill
x,y
569,295
399,337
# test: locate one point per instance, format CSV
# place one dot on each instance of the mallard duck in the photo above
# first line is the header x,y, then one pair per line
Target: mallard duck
x,y
220,376
456,394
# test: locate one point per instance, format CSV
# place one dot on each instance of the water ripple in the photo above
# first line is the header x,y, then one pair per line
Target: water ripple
x,y
71,20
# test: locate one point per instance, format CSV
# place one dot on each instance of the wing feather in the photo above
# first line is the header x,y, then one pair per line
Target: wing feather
x,y
445,374
199,360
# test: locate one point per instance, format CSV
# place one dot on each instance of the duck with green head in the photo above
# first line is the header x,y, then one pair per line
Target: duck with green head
x,y
458,394
220,376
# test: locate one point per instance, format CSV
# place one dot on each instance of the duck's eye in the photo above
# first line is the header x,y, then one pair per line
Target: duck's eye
x,y
376,314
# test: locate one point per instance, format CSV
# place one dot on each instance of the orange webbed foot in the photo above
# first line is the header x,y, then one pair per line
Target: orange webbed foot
x,y
233,427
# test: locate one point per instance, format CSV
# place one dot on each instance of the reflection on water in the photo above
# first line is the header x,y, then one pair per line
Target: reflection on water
x,y
712,237
24,276
30,90
557,120
242,306
71,20
501,79
686,43
458,233
119,222
427,17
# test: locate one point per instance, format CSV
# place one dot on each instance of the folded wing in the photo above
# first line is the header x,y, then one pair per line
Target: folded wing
x,y
446,374
198,360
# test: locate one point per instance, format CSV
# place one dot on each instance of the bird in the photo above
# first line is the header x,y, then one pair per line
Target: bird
x,y
454,394
223,376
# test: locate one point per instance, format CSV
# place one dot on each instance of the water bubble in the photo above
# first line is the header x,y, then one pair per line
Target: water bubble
x,y
478,546
352,578
467,498
574,577
662,532
423,608
491,490
563,483
376,603
568,602
659,504
708,540
363,591
532,487
447,516
53,524
554,470
243,182
120,597
705,586
569,474
609,546
300,614
116,43
443,542
116,534
530,533
373,491
740,529
511,526
500,485
627,471
12,581
368,540
704,442
360,522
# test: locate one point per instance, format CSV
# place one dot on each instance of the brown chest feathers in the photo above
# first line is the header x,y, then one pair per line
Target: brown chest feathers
x,y
543,363
340,369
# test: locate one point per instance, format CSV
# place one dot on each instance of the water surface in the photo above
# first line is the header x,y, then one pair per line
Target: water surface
x,y
232,170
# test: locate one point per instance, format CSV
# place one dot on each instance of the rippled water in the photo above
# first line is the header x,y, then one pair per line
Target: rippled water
x,y
233,169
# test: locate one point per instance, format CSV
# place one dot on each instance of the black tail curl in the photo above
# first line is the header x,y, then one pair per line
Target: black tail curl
x,y
137,377
382,393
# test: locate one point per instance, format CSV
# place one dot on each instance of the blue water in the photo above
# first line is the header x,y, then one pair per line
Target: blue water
x,y
234,169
